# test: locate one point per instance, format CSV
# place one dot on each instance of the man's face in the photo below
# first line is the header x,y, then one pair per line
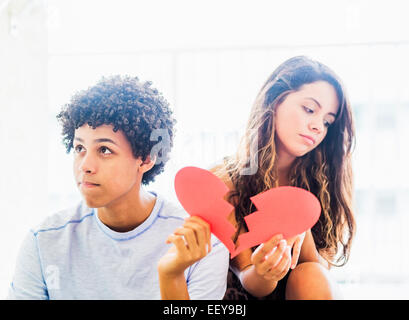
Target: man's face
x,y
105,168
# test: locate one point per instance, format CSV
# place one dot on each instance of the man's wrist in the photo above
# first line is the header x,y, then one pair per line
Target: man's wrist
x,y
173,286
170,275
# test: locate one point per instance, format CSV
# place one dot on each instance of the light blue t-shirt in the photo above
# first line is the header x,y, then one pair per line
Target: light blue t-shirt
x,y
73,255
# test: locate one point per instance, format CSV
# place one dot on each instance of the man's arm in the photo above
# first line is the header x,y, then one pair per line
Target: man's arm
x,y
173,287
28,281
207,279
195,267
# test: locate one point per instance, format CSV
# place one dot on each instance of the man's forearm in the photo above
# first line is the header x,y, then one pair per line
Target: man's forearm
x,y
173,287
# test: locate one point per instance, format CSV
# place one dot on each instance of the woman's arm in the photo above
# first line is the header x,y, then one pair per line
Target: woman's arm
x,y
260,271
255,272
309,252
258,275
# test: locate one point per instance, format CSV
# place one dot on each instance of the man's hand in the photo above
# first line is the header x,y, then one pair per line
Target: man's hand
x,y
191,243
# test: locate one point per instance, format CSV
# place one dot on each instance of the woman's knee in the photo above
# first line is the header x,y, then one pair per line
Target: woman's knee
x,y
311,281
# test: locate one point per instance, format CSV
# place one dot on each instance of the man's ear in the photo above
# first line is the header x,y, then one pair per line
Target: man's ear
x,y
148,164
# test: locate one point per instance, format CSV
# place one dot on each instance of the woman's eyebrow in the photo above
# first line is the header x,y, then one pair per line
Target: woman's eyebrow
x,y
311,98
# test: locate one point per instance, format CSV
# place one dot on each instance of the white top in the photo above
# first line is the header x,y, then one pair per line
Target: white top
x,y
73,255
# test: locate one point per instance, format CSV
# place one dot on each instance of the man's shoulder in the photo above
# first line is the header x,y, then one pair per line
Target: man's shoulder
x,y
173,210
60,219
170,209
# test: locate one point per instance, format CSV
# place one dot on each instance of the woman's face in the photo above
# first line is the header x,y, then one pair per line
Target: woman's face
x,y
303,118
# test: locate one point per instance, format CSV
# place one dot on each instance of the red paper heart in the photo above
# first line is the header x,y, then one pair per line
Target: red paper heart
x,y
285,210
201,194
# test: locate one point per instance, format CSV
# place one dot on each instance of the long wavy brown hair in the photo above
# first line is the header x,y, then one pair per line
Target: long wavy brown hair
x,y
325,171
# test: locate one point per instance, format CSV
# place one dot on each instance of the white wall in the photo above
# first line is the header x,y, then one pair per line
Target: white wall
x,y
209,58
23,128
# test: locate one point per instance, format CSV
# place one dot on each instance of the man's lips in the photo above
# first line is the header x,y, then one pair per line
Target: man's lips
x,y
87,184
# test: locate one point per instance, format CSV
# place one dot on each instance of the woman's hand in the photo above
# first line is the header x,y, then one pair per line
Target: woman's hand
x,y
191,243
296,243
272,259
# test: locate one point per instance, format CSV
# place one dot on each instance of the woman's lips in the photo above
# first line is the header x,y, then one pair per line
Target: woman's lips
x,y
308,139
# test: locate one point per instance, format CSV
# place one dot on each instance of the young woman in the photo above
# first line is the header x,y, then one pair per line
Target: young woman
x,y
300,133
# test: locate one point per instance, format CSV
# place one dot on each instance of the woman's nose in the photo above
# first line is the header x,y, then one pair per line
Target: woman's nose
x,y
316,126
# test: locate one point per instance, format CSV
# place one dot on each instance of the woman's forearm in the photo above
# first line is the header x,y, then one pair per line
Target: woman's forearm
x,y
255,284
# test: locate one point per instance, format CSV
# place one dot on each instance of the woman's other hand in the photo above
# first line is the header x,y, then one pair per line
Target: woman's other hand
x,y
296,243
272,259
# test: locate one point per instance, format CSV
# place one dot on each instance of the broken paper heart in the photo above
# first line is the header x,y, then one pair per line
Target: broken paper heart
x,y
284,210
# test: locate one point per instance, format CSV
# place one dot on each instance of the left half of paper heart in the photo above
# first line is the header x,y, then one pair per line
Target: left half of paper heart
x,y
201,193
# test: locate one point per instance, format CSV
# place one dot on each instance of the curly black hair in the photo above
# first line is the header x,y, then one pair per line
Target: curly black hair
x,y
128,105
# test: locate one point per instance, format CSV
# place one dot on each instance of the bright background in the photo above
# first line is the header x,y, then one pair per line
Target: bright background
x,y
209,59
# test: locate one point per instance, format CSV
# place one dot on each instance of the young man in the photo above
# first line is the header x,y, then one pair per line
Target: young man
x,y
115,243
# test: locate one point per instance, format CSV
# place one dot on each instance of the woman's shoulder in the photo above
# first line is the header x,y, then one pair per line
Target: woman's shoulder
x,y
220,171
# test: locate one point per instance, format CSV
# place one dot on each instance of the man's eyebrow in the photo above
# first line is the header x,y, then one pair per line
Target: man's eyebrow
x,y
105,140
98,140
311,98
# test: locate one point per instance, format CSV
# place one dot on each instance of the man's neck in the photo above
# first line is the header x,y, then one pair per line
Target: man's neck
x,y
127,213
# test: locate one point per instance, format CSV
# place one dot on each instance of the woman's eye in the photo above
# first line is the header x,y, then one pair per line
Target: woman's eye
x,y
308,110
328,123
105,150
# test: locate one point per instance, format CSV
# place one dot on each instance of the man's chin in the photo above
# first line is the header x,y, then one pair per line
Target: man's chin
x,y
93,203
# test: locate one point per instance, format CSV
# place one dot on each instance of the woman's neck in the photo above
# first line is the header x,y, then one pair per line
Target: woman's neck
x,y
284,163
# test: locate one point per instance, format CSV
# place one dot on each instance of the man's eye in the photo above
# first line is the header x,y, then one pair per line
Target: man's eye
x,y
78,148
105,150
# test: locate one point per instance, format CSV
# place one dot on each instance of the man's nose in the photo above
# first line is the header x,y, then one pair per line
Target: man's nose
x,y
88,164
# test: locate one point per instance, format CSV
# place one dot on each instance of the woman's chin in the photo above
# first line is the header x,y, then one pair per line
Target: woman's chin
x,y
297,153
